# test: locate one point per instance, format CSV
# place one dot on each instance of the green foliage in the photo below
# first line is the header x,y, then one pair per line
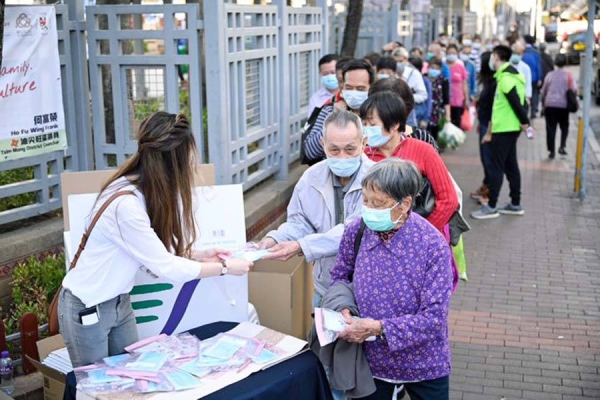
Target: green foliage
x,y
14,176
34,285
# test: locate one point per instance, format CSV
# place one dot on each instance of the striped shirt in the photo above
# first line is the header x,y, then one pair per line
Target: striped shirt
x,y
312,145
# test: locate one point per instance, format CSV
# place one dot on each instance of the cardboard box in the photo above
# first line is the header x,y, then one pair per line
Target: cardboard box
x,y
309,290
277,290
54,381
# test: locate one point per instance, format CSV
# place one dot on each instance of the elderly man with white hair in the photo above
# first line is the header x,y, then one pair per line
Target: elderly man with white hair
x,y
327,197
516,61
414,78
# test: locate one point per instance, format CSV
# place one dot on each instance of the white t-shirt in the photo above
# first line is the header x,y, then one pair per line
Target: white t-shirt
x,y
121,242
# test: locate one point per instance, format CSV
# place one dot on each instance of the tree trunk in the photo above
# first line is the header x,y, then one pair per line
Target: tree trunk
x,y
355,9
1,28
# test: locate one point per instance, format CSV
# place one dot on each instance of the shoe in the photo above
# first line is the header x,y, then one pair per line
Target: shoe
x,y
551,155
485,212
511,209
479,193
562,151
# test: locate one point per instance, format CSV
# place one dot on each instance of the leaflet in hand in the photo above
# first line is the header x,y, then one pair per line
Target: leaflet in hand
x,y
328,324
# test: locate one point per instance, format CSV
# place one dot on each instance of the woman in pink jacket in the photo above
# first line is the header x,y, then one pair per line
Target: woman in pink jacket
x,y
554,99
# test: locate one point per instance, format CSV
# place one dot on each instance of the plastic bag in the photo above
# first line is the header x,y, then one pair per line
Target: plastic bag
x,y
466,123
461,261
452,135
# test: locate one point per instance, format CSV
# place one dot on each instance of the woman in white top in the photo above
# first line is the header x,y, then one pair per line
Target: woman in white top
x,y
152,228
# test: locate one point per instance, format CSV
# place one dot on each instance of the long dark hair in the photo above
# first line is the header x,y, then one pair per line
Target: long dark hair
x,y
162,169
486,75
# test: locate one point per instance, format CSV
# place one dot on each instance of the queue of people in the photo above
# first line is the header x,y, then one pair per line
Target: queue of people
x,y
376,211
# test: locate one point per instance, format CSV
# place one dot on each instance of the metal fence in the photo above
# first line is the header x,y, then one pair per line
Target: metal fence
x,y
377,28
269,69
260,65
129,80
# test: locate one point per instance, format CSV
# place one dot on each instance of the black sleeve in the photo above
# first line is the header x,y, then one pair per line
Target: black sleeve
x,y
515,104
446,92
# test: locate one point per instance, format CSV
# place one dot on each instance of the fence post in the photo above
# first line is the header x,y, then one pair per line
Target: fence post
x,y
2,336
284,91
81,84
216,89
325,23
28,326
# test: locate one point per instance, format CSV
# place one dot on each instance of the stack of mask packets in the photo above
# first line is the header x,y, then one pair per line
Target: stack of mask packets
x,y
171,363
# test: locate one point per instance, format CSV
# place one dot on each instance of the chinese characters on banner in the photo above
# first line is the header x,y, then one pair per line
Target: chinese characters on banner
x,y
32,119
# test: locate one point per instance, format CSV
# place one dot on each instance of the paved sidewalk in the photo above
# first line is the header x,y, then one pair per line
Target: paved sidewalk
x,y
527,325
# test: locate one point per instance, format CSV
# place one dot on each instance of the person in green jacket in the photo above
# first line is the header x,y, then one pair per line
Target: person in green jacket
x,y
509,119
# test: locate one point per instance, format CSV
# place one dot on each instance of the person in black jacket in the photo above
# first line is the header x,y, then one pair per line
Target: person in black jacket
x,y
484,115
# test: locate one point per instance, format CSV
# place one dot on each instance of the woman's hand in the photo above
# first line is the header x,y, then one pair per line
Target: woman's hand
x,y
211,255
238,266
358,330
486,138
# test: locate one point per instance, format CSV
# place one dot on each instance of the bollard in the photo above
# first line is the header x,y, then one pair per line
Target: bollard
x,y
579,155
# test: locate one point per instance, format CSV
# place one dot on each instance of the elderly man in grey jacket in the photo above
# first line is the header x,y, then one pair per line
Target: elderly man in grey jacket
x,y
326,198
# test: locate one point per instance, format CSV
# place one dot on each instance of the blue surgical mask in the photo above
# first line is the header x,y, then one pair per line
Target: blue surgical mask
x,y
491,64
379,220
383,76
330,82
399,68
451,58
375,136
515,58
343,167
489,47
354,98
434,73
467,42
464,57
430,55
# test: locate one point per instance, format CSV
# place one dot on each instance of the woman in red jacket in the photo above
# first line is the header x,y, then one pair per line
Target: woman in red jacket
x,y
384,119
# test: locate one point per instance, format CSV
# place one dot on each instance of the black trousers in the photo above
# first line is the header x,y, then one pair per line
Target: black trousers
x,y
456,115
435,389
503,160
535,99
556,116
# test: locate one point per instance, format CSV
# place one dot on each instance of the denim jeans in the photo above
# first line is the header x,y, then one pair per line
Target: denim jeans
x,y
115,330
337,394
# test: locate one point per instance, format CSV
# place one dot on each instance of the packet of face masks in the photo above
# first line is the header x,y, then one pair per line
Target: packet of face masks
x,y
96,380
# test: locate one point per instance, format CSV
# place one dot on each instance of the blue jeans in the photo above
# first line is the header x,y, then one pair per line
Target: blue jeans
x,y
115,330
337,394
484,153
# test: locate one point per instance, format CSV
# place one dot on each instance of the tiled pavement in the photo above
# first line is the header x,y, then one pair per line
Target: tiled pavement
x,y
527,325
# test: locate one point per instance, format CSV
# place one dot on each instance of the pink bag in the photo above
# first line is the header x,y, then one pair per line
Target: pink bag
x,y
465,121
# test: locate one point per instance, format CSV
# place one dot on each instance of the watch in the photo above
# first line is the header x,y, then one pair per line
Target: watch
x,y
224,269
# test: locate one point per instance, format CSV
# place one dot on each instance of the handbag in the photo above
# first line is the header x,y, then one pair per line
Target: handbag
x,y
572,103
424,203
53,326
466,123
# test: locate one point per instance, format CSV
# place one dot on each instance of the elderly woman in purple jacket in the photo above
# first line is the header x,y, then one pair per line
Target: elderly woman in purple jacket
x,y
402,286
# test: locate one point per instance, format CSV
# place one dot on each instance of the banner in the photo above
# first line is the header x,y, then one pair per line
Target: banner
x,y
32,118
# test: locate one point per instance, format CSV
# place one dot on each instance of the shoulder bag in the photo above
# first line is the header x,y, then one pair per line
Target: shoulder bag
x,y
572,103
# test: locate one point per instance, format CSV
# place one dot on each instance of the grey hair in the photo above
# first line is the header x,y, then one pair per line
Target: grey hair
x,y
342,119
397,178
400,52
